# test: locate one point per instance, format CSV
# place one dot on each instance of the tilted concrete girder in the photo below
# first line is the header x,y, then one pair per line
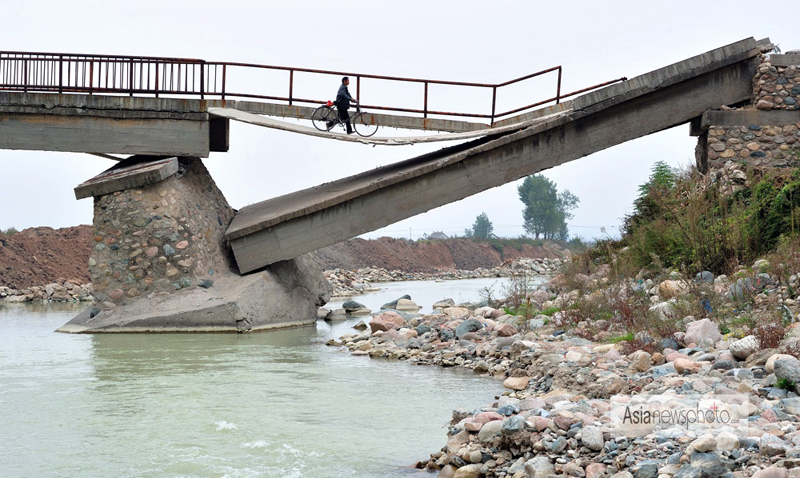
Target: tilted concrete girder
x,y
291,225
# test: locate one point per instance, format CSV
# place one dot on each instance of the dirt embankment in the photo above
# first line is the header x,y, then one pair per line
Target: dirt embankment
x,y
428,256
42,255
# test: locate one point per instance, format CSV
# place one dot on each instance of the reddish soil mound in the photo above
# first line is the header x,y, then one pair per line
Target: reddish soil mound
x,y
41,255
430,256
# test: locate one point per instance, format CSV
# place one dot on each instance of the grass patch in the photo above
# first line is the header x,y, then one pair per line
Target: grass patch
x,y
615,339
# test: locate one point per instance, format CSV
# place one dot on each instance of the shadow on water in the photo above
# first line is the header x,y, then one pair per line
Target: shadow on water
x,y
127,356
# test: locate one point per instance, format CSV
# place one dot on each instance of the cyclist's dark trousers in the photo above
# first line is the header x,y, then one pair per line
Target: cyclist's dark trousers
x,y
345,117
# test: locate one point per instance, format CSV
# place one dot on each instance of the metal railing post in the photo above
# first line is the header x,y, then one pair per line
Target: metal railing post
x,y
358,89
494,103
202,80
60,74
224,75
291,85
130,76
425,107
558,88
25,75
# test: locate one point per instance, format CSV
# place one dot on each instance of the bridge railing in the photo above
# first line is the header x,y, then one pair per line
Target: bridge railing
x,y
107,74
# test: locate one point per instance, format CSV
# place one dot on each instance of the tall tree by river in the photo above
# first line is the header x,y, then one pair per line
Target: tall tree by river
x,y
546,210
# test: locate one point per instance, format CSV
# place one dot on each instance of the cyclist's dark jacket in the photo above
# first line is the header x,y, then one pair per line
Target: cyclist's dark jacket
x,y
343,97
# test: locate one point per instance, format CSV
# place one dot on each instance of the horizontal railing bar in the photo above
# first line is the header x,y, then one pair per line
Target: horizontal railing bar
x,y
567,95
124,69
92,55
521,78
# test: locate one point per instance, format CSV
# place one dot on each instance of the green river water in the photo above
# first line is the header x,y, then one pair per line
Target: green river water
x,y
276,404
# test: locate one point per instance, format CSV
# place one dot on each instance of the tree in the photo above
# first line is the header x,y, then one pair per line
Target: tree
x,y
546,210
481,229
647,206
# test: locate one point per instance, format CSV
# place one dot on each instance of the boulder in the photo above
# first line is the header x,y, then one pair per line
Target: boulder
x,y
352,305
770,365
336,315
456,312
469,471
386,321
506,330
516,383
469,325
671,288
743,348
727,441
640,360
702,329
393,304
490,430
443,304
706,277
683,365
407,305
592,438
787,369
704,443
540,467
772,472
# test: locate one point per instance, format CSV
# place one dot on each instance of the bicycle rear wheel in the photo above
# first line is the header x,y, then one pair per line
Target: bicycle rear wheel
x,y
324,118
365,124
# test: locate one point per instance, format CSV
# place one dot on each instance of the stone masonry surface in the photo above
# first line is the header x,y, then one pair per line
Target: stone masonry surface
x,y
777,87
160,238
764,145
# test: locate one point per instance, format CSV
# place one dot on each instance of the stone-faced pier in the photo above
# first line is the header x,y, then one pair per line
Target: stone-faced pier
x,y
160,262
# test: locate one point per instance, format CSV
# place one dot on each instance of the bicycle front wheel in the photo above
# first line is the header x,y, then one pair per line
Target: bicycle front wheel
x,y
365,124
324,118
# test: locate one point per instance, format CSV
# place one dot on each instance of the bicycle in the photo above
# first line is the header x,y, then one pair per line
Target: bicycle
x,y
327,116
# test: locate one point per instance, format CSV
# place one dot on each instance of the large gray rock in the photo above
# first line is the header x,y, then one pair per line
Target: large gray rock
x,y
540,467
702,329
393,304
490,430
710,464
592,438
743,348
705,277
788,369
469,325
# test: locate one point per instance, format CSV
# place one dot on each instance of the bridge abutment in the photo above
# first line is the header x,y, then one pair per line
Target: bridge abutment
x,y
160,261
763,134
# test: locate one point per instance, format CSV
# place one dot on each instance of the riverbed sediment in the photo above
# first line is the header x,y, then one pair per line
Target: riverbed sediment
x,y
570,378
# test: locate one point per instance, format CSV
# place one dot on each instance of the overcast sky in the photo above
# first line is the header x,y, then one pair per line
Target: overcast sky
x,y
462,40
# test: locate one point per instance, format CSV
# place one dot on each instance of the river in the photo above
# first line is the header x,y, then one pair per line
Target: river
x,y
276,404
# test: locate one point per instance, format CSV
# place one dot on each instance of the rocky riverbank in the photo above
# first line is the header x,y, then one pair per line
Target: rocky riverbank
x,y
571,376
348,283
59,291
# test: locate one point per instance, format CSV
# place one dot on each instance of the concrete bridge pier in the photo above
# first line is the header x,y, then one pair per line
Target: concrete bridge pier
x,y
160,261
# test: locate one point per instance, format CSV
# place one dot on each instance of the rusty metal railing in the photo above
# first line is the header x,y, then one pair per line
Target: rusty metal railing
x,y
98,74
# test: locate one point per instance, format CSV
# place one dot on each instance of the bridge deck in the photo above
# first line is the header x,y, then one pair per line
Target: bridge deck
x,y
291,225
245,117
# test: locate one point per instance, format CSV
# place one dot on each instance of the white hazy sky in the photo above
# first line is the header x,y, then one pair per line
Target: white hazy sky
x,y
464,40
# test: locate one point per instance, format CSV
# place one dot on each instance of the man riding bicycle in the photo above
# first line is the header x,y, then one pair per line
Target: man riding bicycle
x,y
343,100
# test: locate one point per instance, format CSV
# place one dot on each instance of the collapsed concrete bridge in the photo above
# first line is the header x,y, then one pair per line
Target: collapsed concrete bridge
x,y
165,234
